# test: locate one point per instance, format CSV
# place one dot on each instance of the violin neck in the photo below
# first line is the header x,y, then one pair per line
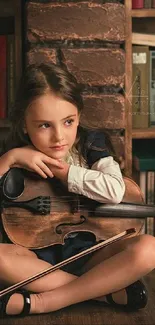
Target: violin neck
x,y
123,210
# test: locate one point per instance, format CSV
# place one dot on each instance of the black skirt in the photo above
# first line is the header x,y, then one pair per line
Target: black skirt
x,y
57,253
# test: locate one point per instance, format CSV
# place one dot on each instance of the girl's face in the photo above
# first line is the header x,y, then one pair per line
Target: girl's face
x,y
51,123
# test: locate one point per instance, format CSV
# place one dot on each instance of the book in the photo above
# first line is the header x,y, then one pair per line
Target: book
x,y
150,189
7,25
143,162
143,39
147,4
10,72
142,184
3,67
152,89
144,155
153,3
140,86
137,4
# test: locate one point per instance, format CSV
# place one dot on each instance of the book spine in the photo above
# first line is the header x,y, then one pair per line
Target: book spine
x,y
143,39
3,76
137,4
152,89
10,73
147,4
140,87
150,200
153,3
144,164
142,184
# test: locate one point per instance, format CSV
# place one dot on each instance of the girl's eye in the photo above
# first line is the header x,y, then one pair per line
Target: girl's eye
x,y
44,126
69,122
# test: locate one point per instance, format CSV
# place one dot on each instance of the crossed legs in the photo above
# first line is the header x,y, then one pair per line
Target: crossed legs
x,y
109,270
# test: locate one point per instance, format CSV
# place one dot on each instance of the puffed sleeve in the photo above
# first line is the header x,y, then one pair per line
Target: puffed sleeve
x,y
103,180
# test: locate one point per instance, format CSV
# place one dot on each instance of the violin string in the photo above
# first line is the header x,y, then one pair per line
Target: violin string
x,y
60,211
55,200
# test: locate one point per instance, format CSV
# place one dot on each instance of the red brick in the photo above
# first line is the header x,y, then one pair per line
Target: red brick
x,y
41,55
104,111
96,66
83,20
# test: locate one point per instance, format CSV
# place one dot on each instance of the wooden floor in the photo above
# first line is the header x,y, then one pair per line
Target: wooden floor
x,y
93,313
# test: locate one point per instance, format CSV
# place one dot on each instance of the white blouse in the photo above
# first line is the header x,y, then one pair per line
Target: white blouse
x,y
103,182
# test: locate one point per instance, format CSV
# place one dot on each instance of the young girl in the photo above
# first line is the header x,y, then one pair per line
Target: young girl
x,y
46,138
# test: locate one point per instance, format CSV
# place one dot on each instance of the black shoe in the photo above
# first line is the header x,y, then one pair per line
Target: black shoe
x,y
137,296
4,300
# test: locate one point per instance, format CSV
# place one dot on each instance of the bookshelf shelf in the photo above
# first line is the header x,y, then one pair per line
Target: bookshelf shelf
x,y
143,133
4,123
142,13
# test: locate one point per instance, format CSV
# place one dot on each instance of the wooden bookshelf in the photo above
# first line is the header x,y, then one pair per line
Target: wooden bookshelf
x,y
143,13
145,19
143,133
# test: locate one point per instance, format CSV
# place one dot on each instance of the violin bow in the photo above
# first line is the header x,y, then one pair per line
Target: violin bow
x,y
94,248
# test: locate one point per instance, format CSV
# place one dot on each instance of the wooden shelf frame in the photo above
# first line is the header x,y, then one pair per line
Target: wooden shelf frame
x,y
128,89
143,13
148,133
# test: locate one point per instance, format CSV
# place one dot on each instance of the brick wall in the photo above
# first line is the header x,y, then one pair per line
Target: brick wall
x,y
88,37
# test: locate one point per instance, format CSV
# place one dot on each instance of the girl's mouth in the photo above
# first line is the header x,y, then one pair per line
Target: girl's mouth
x,y
58,147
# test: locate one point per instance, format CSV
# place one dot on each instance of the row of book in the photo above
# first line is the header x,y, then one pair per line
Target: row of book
x,y
144,174
147,185
143,87
7,74
141,4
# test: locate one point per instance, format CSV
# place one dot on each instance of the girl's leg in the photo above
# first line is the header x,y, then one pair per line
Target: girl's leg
x,y
115,273
18,263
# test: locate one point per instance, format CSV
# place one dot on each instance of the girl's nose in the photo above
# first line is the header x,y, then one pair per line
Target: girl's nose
x,y
59,135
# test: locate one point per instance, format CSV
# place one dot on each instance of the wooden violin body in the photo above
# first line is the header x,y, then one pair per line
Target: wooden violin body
x,y
68,213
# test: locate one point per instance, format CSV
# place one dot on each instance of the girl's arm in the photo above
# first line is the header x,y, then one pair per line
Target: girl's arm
x,y
29,158
6,161
103,182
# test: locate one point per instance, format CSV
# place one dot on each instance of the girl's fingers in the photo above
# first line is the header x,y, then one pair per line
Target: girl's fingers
x,y
54,162
38,170
44,168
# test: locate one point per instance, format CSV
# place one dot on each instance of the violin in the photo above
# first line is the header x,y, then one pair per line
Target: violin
x,y
38,213
40,221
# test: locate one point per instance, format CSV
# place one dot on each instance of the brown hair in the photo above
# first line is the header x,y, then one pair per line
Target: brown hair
x,y
36,81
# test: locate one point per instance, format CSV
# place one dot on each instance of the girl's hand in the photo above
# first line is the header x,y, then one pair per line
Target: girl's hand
x,y
29,158
62,173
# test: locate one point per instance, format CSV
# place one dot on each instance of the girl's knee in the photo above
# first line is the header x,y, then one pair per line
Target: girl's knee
x,y
144,250
5,249
4,253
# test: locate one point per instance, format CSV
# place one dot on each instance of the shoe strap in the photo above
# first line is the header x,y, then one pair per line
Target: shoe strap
x,y
3,303
27,302
110,300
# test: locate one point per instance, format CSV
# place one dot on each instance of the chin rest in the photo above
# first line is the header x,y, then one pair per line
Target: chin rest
x,y
13,184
